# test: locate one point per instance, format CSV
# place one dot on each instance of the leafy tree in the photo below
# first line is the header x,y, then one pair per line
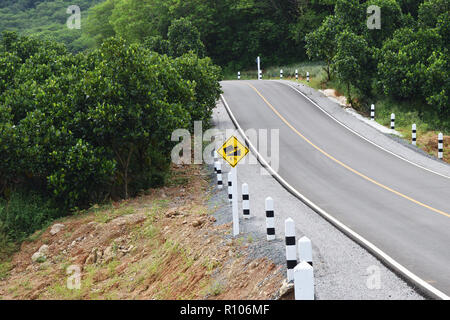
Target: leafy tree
x,y
352,62
184,37
207,90
321,43
437,84
82,128
351,14
430,10
391,20
403,60
98,24
157,44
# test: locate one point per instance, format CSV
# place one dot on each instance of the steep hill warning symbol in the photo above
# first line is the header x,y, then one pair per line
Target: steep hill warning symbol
x,y
233,151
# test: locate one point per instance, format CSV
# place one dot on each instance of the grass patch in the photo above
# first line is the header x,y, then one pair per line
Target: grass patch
x,y
214,289
5,268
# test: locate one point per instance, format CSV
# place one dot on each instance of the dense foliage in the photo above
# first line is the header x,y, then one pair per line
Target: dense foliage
x,y
81,128
46,18
234,32
408,58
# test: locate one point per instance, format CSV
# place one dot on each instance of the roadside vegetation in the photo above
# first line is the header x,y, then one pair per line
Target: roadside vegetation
x,y
162,244
80,129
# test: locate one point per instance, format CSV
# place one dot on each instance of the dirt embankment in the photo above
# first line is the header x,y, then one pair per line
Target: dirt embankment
x,y
161,245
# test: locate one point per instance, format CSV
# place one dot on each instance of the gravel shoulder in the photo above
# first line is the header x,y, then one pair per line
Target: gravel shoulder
x,y
343,269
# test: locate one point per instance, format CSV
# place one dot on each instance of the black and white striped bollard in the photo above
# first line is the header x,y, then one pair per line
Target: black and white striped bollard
x,y
230,187
239,75
440,146
393,121
215,163
296,74
219,175
305,250
291,250
245,201
270,219
414,134
307,76
281,74
260,75
372,112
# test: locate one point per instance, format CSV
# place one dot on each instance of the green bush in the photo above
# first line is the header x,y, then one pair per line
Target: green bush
x,y
24,213
207,90
80,129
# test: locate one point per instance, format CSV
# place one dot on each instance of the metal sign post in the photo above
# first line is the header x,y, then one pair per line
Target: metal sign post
x,y
232,152
235,202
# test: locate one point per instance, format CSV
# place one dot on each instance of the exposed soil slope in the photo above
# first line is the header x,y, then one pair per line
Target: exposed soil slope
x,y
163,244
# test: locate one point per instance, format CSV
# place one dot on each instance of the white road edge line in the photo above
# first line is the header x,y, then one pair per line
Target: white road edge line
x,y
384,257
361,136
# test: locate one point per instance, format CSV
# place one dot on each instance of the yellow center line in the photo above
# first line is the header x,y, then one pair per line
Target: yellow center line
x,y
343,164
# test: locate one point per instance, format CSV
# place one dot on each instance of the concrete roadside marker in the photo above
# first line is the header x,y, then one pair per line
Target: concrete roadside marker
x,y
440,146
230,187
281,74
305,250
307,76
303,281
393,121
414,134
258,62
296,74
215,162
270,219
372,112
291,250
219,175
245,201
239,75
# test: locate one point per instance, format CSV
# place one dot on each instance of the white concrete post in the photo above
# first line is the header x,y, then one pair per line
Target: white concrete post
x,y
270,219
235,202
296,74
281,74
307,76
303,281
393,121
219,175
239,75
414,134
230,187
372,112
258,61
440,146
305,250
291,250
245,201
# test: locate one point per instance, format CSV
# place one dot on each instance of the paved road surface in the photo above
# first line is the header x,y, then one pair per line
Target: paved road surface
x,y
402,209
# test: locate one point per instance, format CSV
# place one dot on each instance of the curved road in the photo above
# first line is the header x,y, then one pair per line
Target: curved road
x,y
402,209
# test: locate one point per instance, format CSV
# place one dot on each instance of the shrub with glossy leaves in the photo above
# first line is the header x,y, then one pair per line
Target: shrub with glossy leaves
x,y
82,128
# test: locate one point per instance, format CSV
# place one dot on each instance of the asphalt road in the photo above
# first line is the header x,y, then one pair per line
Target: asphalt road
x,y
402,209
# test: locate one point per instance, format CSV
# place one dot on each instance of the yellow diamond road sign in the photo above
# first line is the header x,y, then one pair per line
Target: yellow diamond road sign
x,y
233,151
